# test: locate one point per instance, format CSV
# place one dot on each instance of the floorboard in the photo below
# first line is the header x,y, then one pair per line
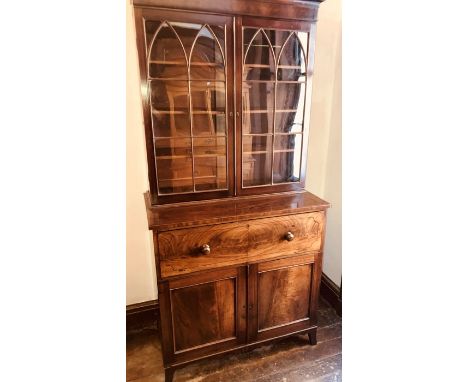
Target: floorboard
x,y
288,360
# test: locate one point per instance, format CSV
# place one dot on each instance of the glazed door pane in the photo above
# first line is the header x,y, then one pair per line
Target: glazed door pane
x,y
186,73
274,83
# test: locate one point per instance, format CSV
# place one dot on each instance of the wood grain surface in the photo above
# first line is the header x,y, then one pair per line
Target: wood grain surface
x,y
238,243
203,313
193,214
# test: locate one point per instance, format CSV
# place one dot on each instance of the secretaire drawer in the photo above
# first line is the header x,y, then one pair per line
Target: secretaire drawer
x,y
285,235
196,249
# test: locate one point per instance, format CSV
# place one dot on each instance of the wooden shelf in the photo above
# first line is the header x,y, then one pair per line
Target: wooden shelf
x,y
255,152
183,63
190,137
264,45
298,133
258,66
257,111
169,112
173,156
284,151
270,111
187,112
208,112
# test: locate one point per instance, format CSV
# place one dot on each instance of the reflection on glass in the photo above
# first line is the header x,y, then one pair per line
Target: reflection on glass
x,y
291,75
289,122
258,105
166,124
206,49
169,95
210,173
173,147
174,174
256,169
289,142
286,166
186,71
209,146
273,94
256,143
290,96
209,124
257,122
208,96
287,158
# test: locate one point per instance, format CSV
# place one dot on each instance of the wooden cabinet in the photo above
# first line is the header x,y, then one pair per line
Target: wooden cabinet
x,y
226,89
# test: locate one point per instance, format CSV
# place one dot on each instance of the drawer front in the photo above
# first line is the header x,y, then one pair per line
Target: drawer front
x,y
180,251
268,237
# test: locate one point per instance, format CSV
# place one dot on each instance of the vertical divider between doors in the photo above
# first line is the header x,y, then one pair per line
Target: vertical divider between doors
x,y
252,305
238,115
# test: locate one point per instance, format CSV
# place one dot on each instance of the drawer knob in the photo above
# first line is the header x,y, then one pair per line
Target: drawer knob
x,y
205,249
289,236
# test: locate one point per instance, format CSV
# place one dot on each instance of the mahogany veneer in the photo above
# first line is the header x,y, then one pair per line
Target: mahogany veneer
x,y
238,242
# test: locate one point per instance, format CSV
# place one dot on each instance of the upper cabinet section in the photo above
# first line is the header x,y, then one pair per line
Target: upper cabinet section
x,y
186,69
275,82
225,101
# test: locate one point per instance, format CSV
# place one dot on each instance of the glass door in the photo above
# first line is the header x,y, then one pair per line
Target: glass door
x,y
275,81
188,75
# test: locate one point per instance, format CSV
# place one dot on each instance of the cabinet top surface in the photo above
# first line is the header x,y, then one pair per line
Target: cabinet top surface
x,y
182,215
285,9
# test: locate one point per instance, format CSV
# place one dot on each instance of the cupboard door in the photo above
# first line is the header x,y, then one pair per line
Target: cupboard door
x,y
283,296
188,72
275,68
207,312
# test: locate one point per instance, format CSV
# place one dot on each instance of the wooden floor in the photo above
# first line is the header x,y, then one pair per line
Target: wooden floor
x,y
289,360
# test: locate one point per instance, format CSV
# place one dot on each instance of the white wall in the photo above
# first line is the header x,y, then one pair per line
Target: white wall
x,y
324,159
141,274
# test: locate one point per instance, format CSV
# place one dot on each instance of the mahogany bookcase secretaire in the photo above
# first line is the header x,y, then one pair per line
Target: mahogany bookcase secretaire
x,y
226,93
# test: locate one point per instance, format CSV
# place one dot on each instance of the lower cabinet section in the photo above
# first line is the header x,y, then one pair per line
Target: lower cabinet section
x,y
216,311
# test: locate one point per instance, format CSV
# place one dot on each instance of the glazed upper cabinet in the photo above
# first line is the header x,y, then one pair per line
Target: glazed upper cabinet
x,y
188,104
274,78
224,103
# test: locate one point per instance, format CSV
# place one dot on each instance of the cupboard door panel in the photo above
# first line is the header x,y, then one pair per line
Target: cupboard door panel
x,y
203,313
207,312
283,296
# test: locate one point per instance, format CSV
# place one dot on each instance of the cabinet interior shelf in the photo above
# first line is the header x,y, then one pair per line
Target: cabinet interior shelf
x,y
270,134
188,178
270,111
189,156
187,112
183,63
191,137
264,45
273,81
270,66
185,79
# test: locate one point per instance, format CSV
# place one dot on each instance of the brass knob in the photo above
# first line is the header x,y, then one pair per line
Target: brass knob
x,y
289,236
205,249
